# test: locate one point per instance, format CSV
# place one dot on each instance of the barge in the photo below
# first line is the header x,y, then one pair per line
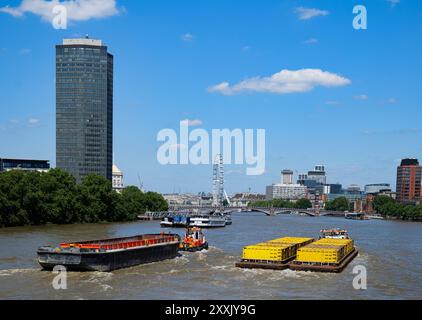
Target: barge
x,y
110,254
325,255
275,254
331,253
324,267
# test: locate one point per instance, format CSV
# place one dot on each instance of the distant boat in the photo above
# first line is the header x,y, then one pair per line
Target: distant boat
x,y
334,234
175,222
228,219
375,217
209,221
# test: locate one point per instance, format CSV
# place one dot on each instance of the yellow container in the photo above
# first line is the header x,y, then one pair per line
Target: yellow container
x,y
293,240
320,254
323,252
266,252
348,243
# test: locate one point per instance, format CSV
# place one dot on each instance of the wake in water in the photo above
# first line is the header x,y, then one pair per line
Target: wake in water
x,y
11,272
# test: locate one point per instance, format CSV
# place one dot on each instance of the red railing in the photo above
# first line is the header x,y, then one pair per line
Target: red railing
x,y
119,245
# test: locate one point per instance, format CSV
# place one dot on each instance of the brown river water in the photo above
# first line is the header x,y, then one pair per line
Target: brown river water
x,y
391,251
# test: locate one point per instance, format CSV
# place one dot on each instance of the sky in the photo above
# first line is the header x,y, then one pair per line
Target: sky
x,y
325,92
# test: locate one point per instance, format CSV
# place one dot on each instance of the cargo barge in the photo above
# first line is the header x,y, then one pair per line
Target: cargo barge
x,y
331,253
110,254
321,267
325,255
275,254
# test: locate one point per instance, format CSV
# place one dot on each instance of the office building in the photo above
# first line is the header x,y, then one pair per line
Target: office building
x,y
377,188
318,175
286,192
409,181
24,165
84,108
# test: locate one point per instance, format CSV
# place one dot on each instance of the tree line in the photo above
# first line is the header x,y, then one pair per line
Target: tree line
x,y
383,205
387,206
33,198
339,204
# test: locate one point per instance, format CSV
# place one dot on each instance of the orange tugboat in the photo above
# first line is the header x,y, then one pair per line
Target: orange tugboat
x,y
194,240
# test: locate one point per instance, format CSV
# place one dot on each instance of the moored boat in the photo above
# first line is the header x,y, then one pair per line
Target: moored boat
x,y
110,254
228,218
175,222
208,221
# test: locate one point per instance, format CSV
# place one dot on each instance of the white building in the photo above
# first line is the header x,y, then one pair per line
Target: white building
x,y
117,179
286,190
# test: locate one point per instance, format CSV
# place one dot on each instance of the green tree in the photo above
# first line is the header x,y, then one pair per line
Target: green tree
x,y
338,204
303,204
381,201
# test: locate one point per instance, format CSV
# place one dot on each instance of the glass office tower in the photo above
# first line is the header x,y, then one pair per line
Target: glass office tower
x,y
84,108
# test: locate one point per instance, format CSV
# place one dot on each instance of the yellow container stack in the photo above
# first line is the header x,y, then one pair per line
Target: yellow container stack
x,y
330,251
347,242
278,250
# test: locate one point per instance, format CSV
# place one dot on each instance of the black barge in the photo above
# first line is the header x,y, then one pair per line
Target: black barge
x,y
110,254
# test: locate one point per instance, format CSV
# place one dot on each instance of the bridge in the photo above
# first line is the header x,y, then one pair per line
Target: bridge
x,y
269,211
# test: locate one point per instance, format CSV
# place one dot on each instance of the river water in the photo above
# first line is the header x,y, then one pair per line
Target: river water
x,y
391,251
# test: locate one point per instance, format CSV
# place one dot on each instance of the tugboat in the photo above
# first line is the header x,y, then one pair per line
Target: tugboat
x,y
194,240
334,234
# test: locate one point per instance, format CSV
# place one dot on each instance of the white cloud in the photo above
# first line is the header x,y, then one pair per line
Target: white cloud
x,y
33,121
188,37
284,82
394,2
311,41
193,123
361,97
309,13
77,10
392,101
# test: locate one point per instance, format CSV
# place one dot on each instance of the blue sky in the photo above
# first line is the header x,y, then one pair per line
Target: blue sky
x,y
168,53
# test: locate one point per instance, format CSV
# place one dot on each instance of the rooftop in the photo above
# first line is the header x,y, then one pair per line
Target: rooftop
x,y
82,41
116,170
409,162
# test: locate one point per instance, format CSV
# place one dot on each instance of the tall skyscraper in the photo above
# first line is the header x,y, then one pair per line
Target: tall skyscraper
x,y
84,108
409,181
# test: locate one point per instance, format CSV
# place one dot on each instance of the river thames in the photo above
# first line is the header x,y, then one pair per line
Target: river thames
x,y
391,251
